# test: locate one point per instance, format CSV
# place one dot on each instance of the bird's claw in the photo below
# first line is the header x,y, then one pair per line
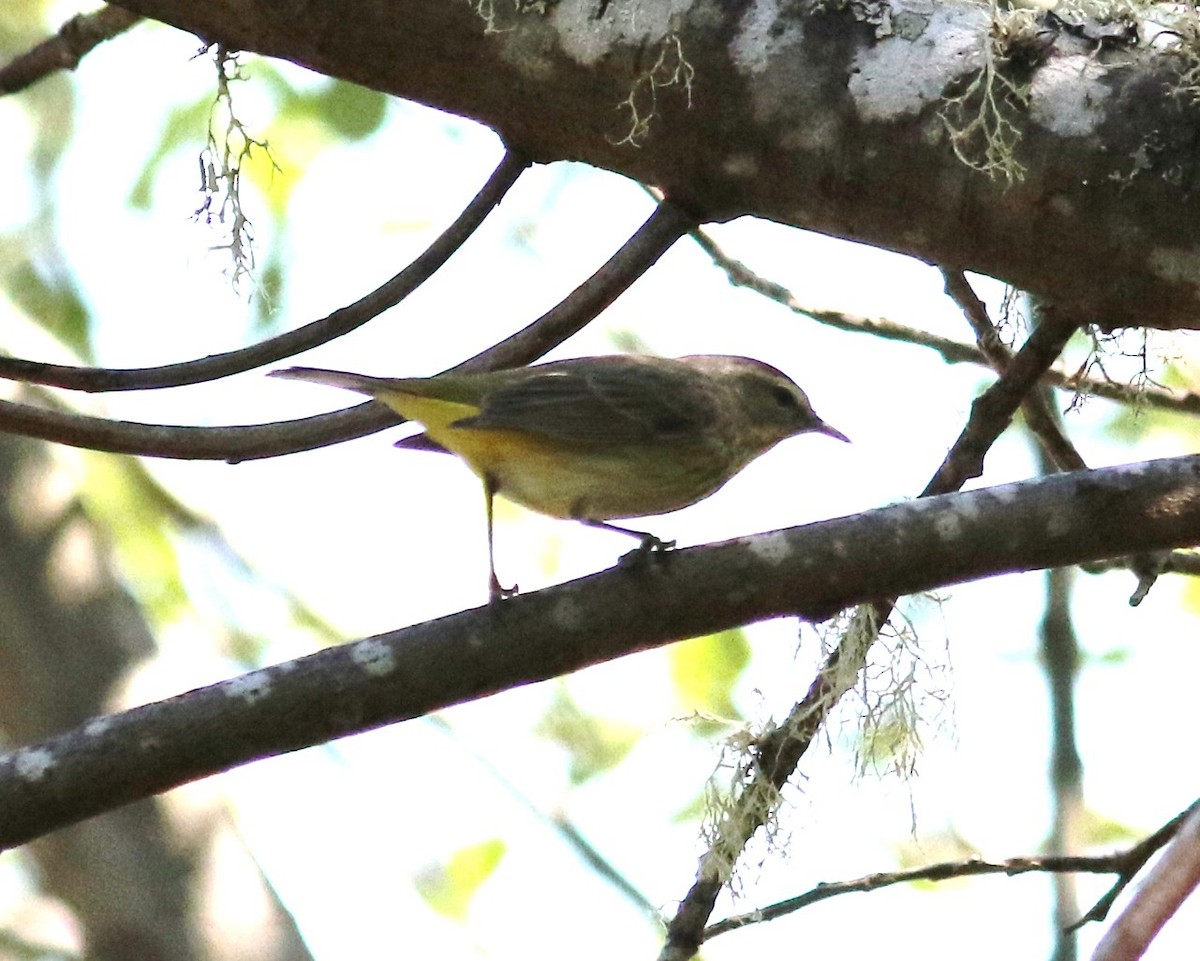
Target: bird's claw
x,y
497,593
650,545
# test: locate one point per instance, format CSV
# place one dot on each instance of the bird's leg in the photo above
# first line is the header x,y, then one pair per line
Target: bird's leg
x,y
649,543
496,593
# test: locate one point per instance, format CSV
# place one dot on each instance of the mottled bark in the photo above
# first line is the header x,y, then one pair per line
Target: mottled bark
x,y
834,117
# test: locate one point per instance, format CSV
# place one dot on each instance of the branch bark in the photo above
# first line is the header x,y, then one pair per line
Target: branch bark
x,y
808,571
839,118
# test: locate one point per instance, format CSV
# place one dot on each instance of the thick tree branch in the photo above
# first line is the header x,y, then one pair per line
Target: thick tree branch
x,y
857,120
310,335
809,571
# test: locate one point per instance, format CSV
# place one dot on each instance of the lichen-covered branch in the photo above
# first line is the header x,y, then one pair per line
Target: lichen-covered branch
x,y
805,571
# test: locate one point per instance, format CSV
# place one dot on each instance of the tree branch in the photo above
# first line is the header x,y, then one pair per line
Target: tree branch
x,y
952,351
1126,863
1042,420
75,39
780,750
667,224
311,335
919,546
839,119
1170,882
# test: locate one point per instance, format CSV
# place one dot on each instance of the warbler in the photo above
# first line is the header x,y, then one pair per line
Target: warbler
x,y
597,438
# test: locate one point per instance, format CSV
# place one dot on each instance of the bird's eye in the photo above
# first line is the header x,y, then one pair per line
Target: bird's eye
x,y
783,396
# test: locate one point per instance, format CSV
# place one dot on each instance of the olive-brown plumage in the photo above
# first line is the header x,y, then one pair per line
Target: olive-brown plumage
x,y
597,438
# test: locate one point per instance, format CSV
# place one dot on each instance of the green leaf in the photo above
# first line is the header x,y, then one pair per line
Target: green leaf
x,y
705,671
352,111
186,125
449,887
1096,830
268,293
889,743
53,302
594,744
141,518
694,810
943,845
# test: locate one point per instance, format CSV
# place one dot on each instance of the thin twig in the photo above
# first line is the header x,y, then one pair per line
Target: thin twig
x,y
1169,883
952,351
74,40
1137,856
666,225
993,410
1125,863
1040,417
1046,425
779,753
311,335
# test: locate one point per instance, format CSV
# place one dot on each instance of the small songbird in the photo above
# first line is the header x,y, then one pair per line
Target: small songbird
x,y
597,438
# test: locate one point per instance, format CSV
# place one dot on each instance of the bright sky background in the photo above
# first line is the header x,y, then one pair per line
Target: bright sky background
x,y
375,539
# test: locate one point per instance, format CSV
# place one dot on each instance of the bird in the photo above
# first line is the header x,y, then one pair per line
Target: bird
x,y
593,439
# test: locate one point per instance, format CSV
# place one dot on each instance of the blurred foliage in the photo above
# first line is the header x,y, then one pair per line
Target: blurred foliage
x,y
594,744
140,517
449,887
272,155
142,522
179,566
1098,831
304,121
31,273
14,947
43,289
705,671
1111,657
934,848
1191,594
694,810
889,744
1130,424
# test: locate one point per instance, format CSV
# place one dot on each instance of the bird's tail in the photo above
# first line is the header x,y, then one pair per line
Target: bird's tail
x,y
335,378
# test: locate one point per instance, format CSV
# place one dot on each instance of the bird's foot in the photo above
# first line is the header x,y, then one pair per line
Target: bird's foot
x,y
497,593
640,555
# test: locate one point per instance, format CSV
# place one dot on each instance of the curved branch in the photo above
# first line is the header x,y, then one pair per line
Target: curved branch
x,y
1126,864
993,410
667,224
918,546
655,237
337,324
75,39
1088,128
231,444
779,752
1040,416
1170,882
952,351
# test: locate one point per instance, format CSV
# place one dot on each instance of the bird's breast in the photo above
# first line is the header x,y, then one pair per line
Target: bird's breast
x,y
566,481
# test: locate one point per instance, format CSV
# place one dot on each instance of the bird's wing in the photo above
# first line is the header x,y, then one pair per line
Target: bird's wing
x,y
614,400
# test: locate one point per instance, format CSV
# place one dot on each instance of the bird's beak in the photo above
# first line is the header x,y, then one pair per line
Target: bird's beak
x,y
823,428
